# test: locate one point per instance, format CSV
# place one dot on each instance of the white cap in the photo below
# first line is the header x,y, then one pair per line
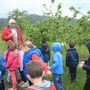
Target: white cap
x,y
12,21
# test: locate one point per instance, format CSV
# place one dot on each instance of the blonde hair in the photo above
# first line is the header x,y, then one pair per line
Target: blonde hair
x,y
28,44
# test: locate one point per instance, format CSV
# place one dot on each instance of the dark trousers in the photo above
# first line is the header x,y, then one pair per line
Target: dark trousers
x,y
72,72
2,86
87,84
22,76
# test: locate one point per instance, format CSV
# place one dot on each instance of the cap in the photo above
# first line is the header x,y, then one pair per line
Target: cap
x,y
12,21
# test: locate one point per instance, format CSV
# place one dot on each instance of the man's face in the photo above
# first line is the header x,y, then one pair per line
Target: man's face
x,y
12,25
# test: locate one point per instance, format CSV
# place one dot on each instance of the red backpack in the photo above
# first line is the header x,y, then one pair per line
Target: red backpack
x,y
52,87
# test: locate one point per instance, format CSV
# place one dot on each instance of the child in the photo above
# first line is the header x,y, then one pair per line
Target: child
x,y
2,72
20,62
12,63
32,54
86,66
57,66
37,49
45,50
35,74
72,60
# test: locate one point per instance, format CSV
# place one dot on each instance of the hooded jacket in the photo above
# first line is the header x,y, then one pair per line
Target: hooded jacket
x,y
47,85
86,66
57,59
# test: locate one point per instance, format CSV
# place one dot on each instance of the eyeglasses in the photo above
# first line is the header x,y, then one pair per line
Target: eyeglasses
x,y
13,23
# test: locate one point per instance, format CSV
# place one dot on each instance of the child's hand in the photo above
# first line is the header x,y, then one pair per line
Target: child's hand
x,y
48,73
81,64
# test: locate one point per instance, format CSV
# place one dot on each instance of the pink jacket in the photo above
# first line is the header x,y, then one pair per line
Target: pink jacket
x,y
6,55
20,59
12,60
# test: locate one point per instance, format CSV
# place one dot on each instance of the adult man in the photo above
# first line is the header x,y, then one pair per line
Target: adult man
x,y
12,32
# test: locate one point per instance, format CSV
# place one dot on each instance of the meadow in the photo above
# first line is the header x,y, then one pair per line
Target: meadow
x,y
81,75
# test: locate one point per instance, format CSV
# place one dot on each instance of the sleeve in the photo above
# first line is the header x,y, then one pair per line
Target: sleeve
x,y
10,60
67,59
56,62
4,35
86,67
35,57
20,57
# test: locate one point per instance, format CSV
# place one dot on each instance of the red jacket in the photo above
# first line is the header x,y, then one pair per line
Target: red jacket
x,y
12,61
6,32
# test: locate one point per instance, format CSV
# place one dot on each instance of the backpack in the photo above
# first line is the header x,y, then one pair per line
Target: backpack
x,y
52,87
2,65
45,50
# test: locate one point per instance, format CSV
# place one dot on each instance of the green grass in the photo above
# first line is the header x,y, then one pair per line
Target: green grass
x,y
78,85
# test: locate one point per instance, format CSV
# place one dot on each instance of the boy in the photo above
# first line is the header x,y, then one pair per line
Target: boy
x,y
45,50
86,66
72,60
2,72
57,66
35,74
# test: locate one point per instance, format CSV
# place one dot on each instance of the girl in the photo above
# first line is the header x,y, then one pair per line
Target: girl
x,y
12,63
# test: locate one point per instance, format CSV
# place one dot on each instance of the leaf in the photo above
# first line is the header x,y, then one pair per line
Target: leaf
x,y
52,1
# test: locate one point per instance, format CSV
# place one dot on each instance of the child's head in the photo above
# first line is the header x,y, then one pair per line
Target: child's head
x,y
72,45
11,45
34,70
43,40
19,45
27,45
31,40
56,46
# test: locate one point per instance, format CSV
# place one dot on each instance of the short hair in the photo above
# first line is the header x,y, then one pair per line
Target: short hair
x,y
30,39
28,44
11,45
34,69
43,40
71,44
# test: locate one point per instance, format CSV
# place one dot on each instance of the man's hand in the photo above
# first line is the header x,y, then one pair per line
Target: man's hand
x,y
10,35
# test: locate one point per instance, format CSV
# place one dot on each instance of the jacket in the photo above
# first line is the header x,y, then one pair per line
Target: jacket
x,y
72,58
6,32
12,61
2,67
57,59
86,66
32,54
47,85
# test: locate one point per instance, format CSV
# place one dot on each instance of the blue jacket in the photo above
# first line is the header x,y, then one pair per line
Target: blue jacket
x,y
27,57
57,59
2,67
72,58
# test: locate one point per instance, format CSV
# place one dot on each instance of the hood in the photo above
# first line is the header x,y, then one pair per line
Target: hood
x,y
45,86
56,47
88,46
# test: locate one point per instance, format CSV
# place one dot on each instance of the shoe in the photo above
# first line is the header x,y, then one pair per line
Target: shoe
x,y
25,85
12,89
22,82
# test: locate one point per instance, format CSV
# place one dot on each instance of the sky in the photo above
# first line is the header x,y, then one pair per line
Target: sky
x,y
36,6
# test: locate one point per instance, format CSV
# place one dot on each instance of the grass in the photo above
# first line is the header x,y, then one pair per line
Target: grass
x,y
78,85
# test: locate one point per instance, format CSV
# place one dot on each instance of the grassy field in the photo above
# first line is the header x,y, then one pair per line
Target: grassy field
x,y
78,85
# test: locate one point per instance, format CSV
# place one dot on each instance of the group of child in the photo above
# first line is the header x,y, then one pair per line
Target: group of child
x,y
30,62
